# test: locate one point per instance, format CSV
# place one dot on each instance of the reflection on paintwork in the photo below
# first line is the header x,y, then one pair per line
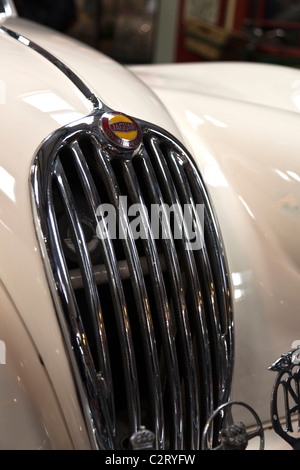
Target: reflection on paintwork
x,y
282,175
2,353
63,117
247,207
294,176
213,174
49,102
7,184
5,226
237,279
296,94
194,120
241,282
215,121
239,294
288,176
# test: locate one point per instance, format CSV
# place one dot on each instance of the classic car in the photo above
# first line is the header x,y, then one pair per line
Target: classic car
x,y
122,331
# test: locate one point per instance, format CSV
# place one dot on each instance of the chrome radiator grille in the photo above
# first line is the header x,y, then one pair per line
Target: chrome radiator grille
x,y
148,322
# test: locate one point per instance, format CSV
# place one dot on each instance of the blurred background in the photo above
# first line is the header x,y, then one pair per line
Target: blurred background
x,y
167,31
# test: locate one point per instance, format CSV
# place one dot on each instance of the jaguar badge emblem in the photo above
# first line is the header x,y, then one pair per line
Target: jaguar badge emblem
x,y
121,130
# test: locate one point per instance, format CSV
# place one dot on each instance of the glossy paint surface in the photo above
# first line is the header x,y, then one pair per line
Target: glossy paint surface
x,y
26,394
32,106
241,123
112,83
36,99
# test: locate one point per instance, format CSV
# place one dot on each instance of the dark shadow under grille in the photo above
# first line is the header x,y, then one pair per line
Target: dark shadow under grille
x,y
148,321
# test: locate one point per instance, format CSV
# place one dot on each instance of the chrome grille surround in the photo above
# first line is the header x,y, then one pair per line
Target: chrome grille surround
x,y
149,324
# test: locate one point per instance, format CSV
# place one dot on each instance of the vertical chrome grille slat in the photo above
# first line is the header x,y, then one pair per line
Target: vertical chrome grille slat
x,y
167,327
148,323
107,414
216,255
197,313
172,263
119,301
142,302
86,267
211,307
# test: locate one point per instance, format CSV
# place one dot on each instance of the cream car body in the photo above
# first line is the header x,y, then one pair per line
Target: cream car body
x,y
240,123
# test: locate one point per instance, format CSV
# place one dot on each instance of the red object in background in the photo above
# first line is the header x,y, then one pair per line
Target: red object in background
x,y
269,44
247,9
242,12
222,12
182,55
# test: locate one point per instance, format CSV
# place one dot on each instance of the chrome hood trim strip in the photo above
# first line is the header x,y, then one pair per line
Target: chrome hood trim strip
x,y
89,95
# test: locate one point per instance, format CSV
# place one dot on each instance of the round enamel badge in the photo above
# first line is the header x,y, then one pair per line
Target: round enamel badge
x,y
121,130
